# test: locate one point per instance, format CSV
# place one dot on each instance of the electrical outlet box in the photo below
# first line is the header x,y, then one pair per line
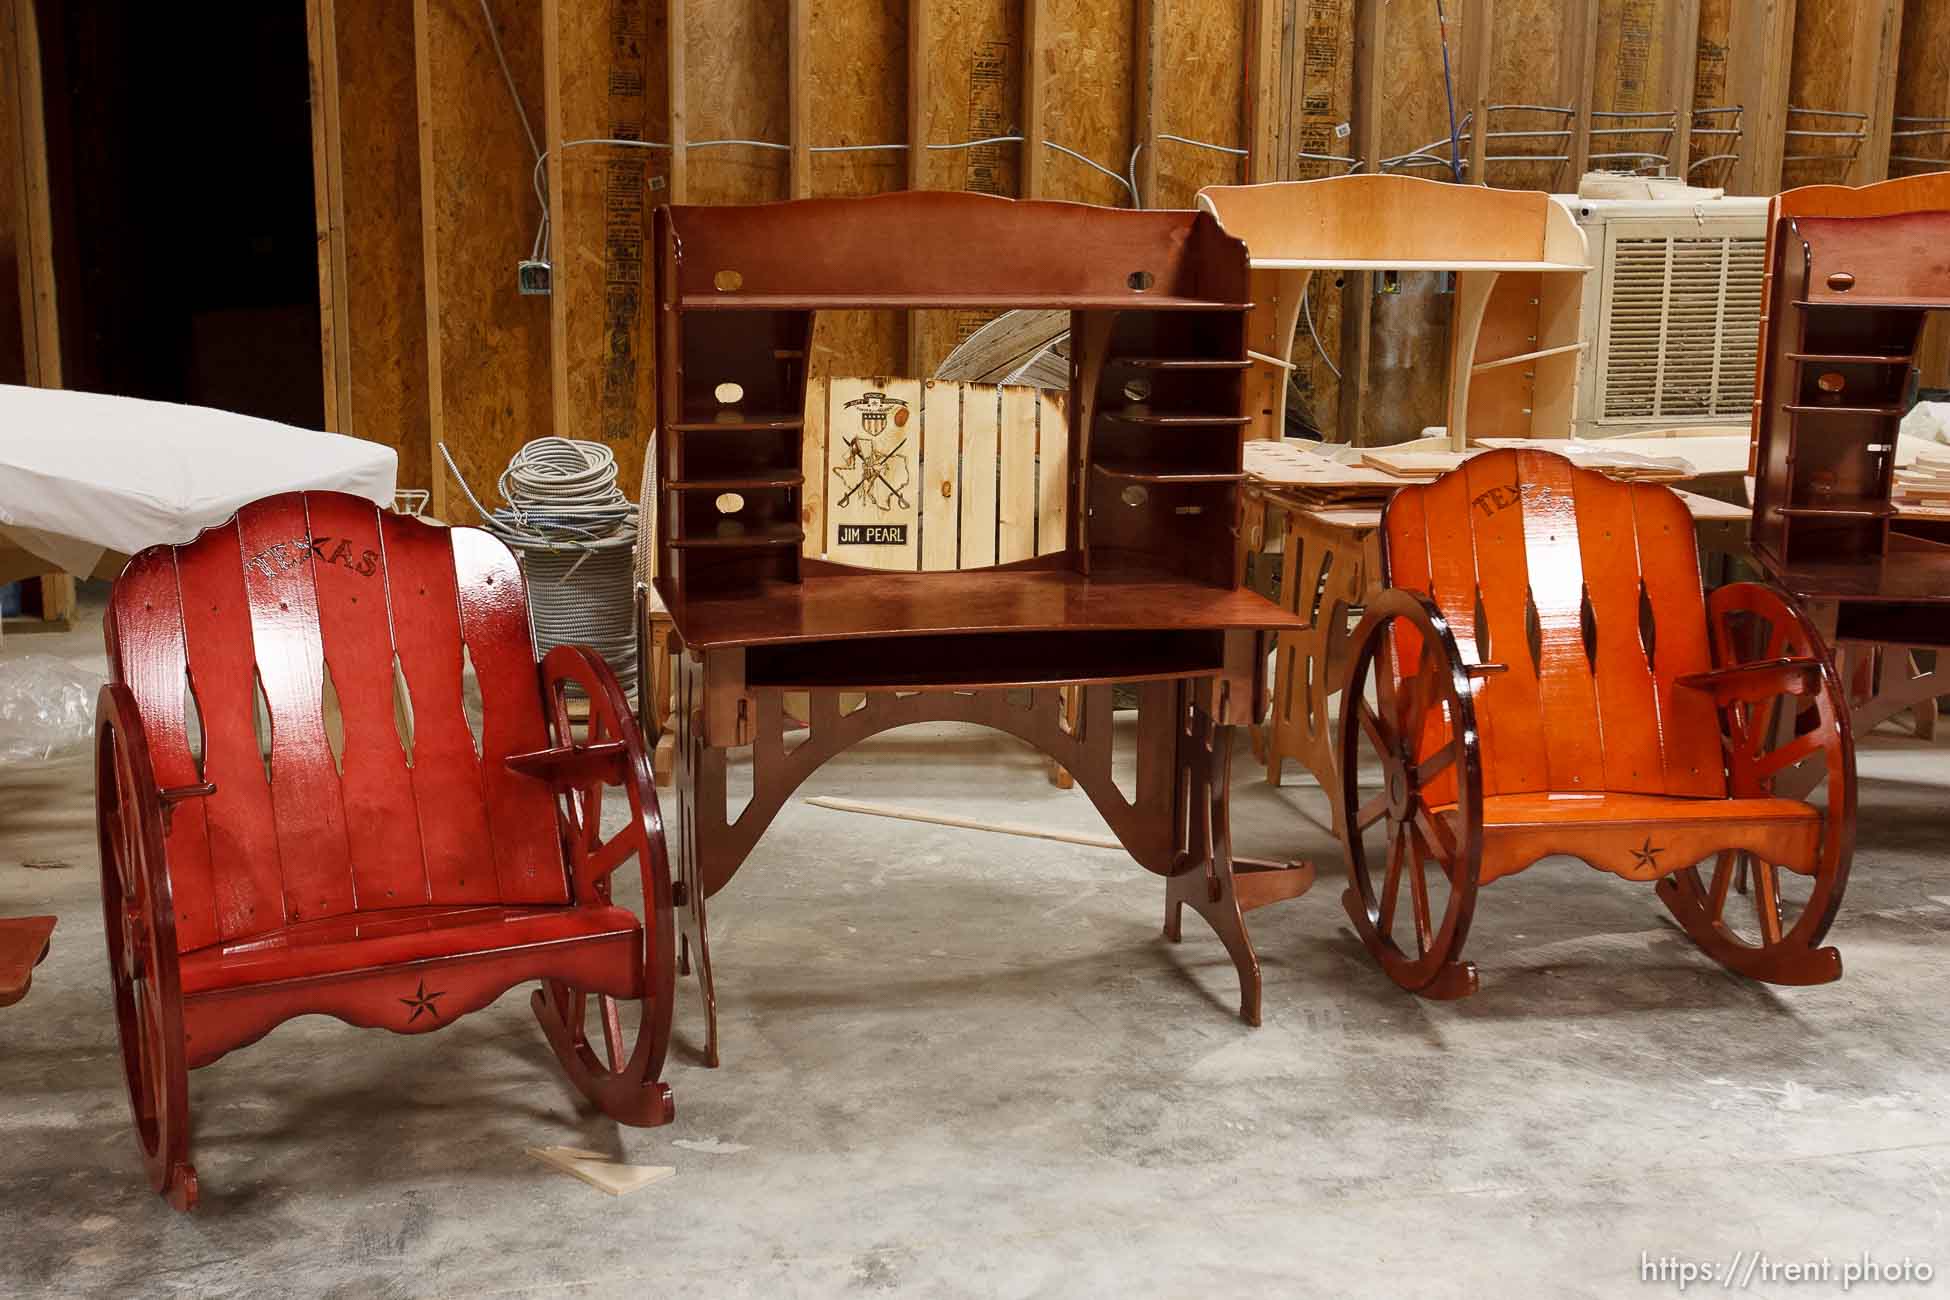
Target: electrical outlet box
x,y
533,276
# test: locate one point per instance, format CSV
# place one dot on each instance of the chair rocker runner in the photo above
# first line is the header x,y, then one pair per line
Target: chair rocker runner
x,y
1543,676
297,815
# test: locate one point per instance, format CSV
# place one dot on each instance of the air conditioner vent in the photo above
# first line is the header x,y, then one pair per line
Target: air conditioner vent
x,y
1681,320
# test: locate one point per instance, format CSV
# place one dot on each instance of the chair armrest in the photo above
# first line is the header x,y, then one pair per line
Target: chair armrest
x,y
1753,682
605,761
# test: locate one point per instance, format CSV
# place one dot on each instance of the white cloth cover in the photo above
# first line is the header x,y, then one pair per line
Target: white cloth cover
x,y
86,473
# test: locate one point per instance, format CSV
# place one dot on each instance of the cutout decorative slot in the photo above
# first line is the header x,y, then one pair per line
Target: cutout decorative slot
x,y
1137,390
1140,280
1841,281
727,393
729,503
1831,381
332,713
193,725
470,697
728,281
261,719
1648,625
402,710
1133,495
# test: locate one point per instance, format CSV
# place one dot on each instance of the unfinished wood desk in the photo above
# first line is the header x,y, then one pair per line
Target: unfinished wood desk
x,y
1142,590
1519,261
1330,566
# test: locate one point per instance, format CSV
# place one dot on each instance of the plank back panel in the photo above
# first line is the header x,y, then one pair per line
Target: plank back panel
x,y
304,779
521,812
382,821
425,603
354,799
246,868
1588,590
153,664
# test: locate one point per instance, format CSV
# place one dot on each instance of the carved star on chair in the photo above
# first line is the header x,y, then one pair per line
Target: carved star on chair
x,y
422,1002
1647,856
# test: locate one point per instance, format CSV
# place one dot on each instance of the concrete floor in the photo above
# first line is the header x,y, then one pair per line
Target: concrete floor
x,y
959,1063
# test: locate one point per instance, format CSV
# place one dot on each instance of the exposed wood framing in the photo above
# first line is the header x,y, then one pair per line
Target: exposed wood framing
x,y
1146,94
676,39
327,165
1357,295
1035,96
31,218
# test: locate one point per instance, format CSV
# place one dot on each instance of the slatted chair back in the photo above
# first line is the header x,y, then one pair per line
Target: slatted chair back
x,y
307,658
1588,591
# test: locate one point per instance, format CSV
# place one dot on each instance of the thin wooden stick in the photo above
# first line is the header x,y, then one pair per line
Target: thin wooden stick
x,y
963,823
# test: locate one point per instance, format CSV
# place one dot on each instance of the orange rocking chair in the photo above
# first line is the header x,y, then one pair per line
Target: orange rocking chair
x,y
1543,676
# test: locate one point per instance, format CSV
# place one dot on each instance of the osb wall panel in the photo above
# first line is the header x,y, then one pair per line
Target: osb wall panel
x,y
488,346
1088,57
974,92
1201,95
856,71
1533,41
735,73
383,320
613,85
1631,60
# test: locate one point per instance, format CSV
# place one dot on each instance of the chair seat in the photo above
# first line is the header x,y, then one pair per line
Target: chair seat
x,y
362,942
1502,810
1641,836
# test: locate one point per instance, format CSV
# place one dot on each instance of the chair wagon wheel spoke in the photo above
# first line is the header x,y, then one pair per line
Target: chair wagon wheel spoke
x,y
1436,764
1767,900
1372,811
1725,866
1392,886
1418,884
612,1032
1375,729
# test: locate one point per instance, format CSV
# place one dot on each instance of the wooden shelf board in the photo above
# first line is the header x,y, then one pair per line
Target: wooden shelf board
x,y
1793,408
1111,469
1182,363
1174,419
877,603
1332,264
743,541
949,302
1919,577
1862,509
735,484
735,421
1852,359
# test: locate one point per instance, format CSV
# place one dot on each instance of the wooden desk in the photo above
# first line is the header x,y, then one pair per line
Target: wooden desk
x,y
1137,582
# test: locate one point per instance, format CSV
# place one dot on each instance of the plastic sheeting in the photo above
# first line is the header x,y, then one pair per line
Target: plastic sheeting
x,y
47,707
83,474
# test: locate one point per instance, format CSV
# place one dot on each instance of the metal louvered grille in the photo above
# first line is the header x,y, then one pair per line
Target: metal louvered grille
x,y
1682,317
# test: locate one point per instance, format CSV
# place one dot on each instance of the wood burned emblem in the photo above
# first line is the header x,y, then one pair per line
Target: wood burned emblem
x,y
874,471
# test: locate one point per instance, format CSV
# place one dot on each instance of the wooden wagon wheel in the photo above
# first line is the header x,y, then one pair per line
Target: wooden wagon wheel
x,y
1406,708
1748,915
622,1079
140,925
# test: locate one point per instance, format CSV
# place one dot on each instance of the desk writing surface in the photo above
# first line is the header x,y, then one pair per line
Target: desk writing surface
x,y
880,604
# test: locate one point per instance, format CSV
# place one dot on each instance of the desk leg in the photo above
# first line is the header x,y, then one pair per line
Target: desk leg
x,y
697,764
1211,882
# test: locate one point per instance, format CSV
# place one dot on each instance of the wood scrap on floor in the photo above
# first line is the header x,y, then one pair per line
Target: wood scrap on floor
x,y
601,1172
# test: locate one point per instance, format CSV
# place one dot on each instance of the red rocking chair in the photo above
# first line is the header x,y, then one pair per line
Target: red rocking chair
x,y
1543,676
297,814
